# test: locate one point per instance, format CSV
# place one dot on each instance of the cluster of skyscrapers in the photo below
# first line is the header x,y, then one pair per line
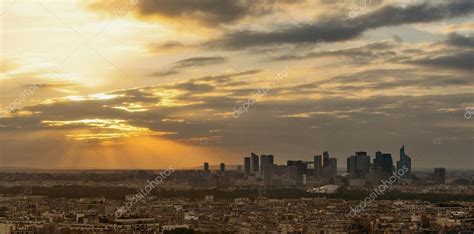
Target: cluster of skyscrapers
x,y
295,170
360,167
323,169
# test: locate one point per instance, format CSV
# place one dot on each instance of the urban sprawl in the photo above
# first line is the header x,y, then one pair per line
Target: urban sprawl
x,y
378,196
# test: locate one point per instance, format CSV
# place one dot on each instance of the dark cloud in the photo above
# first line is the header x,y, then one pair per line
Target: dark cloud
x,y
165,73
455,39
206,12
338,29
199,61
226,77
366,53
461,60
193,87
54,85
176,67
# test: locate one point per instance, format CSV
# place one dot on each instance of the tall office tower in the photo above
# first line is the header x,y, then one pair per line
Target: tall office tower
x,y
222,167
300,165
332,167
325,163
254,165
267,175
247,166
405,160
358,165
206,167
440,175
265,160
292,172
318,165
271,159
383,165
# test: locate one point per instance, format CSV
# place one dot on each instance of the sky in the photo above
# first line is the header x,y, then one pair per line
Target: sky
x,y
153,83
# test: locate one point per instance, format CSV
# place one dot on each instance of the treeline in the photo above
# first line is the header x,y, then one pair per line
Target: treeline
x,y
398,195
118,193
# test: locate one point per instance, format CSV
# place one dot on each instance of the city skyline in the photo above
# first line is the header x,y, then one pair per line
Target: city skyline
x,y
275,159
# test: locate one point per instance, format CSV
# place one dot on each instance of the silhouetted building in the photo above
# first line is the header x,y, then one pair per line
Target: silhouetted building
x,y
318,166
405,160
265,160
300,165
440,175
332,168
292,172
254,165
247,167
222,167
325,163
206,167
383,165
358,165
267,175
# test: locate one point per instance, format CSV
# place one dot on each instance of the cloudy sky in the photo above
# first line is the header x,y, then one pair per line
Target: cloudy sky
x,y
152,83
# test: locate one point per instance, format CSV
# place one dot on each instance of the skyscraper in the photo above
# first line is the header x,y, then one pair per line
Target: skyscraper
x,y
247,166
292,172
440,175
265,160
300,165
222,167
325,164
358,165
318,165
254,165
206,167
383,165
267,175
405,160
332,167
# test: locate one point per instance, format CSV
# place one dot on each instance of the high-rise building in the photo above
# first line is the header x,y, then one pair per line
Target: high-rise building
x,y
332,167
265,160
383,165
254,165
318,165
300,165
247,168
206,167
326,166
440,175
358,165
405,161
222,167
267,175
292,172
